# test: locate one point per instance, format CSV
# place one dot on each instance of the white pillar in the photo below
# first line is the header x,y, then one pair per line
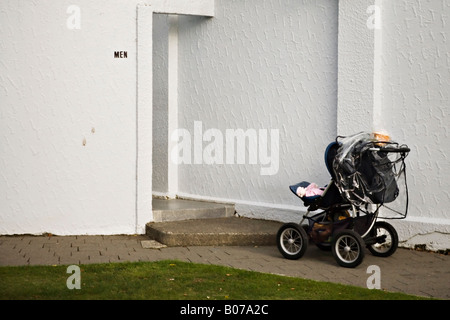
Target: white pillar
x,y
144,116
172,168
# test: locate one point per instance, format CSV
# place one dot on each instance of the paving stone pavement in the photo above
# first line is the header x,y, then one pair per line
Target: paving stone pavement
x,y
409,271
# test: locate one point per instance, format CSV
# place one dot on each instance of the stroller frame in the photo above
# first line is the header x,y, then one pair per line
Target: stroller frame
x,y
348,223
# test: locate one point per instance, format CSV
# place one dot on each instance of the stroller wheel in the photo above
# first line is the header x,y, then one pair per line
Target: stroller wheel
x,y
386,239
292,241
347,248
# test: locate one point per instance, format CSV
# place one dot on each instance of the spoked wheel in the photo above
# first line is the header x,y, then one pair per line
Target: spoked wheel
x,y
292,241
347,248
386,239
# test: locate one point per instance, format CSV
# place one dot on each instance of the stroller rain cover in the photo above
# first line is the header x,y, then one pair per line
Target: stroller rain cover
x,y
362,175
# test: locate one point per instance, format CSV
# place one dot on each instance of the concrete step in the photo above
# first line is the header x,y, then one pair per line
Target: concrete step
x,y
232,231
180,209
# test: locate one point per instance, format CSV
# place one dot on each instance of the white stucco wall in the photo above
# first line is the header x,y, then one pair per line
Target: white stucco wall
x,y
416,110
291,66
356,44
67,118
396,77
71,162
260,65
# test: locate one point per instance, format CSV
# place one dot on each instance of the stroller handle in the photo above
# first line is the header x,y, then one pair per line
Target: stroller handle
x,y
390,149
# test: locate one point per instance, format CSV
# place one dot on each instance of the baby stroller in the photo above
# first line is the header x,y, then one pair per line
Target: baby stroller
x,y
366,174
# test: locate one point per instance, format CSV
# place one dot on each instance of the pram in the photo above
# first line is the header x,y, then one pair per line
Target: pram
x,y
365,175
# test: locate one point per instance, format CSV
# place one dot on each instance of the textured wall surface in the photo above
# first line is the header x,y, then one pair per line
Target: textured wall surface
x,y
356,68
67,118
417,95
279,65
416,109
68,107
260,65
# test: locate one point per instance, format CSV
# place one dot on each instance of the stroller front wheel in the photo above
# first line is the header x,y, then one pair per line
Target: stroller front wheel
x,y
347,248
388,239
292,241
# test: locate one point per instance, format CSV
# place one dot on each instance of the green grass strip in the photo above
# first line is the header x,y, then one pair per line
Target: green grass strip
x,y
172,280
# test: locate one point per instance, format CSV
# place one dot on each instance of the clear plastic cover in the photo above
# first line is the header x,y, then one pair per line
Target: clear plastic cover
x,y
365,174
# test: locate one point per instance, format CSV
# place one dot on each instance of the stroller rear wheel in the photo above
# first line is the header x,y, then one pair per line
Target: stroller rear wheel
x,y
386,239
292,241
347,248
